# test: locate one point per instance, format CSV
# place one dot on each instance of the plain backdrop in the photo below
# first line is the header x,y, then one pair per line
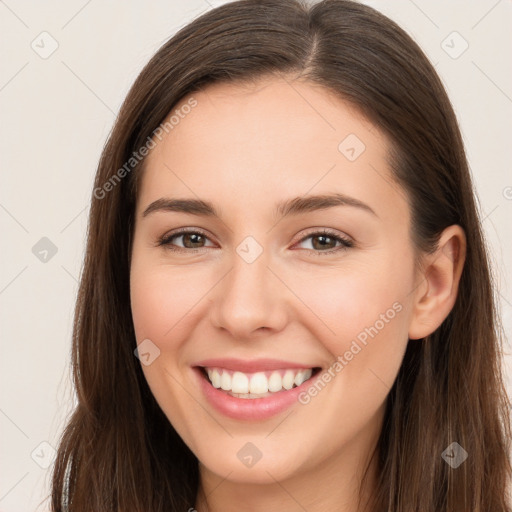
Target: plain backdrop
x,y
66,68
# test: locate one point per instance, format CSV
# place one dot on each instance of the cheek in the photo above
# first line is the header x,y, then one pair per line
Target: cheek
x,y
346,302
363,326
361,317
160,298
161,301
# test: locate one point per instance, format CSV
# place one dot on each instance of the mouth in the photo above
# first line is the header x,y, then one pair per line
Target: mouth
x,y
255,385
253,390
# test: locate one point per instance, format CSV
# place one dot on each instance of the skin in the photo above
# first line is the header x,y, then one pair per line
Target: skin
x,y
245,148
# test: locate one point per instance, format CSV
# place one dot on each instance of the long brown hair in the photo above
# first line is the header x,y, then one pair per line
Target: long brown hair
x,y
119,451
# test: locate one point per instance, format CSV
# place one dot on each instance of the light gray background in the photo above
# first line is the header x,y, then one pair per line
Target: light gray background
x,y
56,113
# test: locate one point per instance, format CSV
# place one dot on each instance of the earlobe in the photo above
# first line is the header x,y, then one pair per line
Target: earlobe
x,y
438,285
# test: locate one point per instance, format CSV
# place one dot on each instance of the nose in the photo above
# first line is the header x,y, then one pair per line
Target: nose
x,y
250,300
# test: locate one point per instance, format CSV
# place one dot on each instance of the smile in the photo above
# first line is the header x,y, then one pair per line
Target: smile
x,y
252,391
259,384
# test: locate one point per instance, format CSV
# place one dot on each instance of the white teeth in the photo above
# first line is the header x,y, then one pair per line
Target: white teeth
x,y
215,378
302,376
275,383
225,381
288,379
239,383
257,384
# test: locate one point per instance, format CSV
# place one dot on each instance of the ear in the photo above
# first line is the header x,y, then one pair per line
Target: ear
x,y
438,280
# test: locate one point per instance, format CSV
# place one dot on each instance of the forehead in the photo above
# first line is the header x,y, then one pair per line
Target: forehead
x,y
267,140
278,110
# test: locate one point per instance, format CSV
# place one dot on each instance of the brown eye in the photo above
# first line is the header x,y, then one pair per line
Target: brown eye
x,y
190,240
324,242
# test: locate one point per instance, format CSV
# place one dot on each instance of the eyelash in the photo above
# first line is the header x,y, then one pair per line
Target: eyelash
x,y
345,242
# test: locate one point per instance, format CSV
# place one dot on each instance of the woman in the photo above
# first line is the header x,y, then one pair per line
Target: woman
x,y
219,363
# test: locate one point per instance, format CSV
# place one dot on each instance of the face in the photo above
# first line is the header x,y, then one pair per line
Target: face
x,y
267,291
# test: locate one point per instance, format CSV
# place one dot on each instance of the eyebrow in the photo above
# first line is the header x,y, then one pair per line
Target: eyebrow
x,y
294,206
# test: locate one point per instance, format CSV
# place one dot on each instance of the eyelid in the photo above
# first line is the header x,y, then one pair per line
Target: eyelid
x,y
346,241
324,231
162,241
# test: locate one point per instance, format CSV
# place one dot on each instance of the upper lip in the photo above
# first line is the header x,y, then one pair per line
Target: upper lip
x,y
251,366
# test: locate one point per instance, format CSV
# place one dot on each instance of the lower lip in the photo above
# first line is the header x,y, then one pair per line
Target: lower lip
x,y
252,409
